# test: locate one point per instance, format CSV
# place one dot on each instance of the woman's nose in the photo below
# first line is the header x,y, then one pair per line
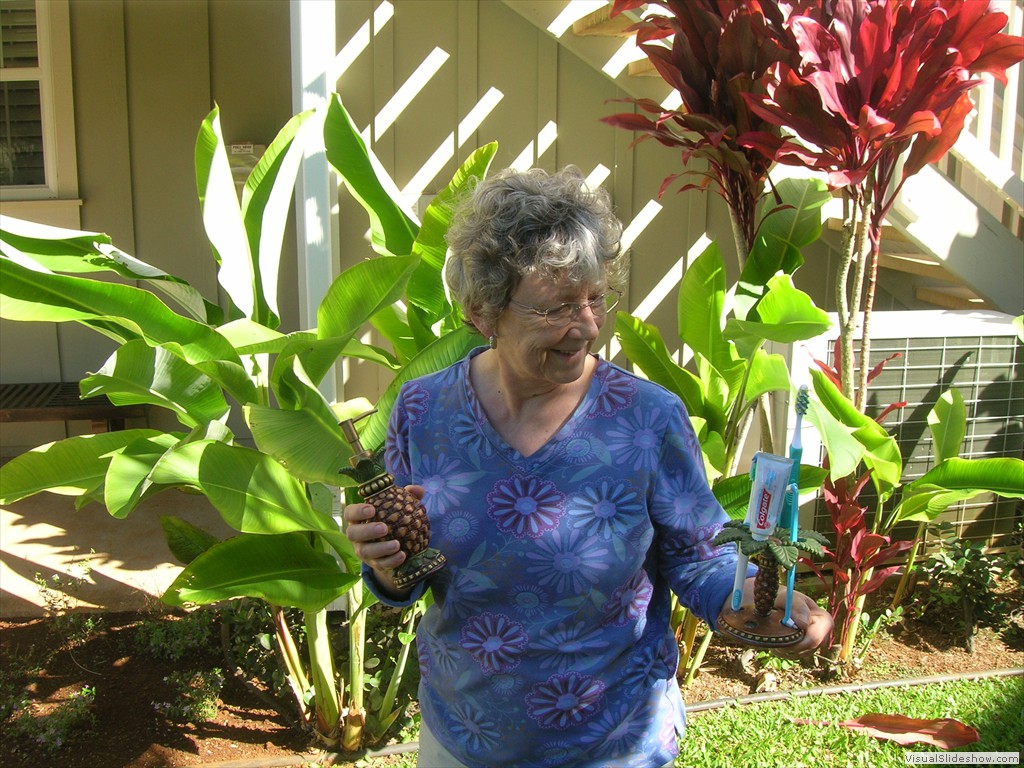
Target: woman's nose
x,y
588,321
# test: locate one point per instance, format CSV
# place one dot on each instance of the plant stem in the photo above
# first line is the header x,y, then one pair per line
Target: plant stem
x,y
846,324
355,719
901,588
698,658
764,411
321,658
388,703
297,680
852,621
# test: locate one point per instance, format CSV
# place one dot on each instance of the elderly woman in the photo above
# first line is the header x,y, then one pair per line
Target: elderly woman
x,y
568,496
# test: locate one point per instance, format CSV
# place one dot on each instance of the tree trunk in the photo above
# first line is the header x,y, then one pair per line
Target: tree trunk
x,y
766,583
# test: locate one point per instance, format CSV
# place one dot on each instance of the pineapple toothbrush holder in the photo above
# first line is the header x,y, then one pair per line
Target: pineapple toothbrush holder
x,y
402,512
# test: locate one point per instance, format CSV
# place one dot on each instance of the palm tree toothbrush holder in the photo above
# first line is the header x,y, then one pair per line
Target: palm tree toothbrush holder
x,y
402,512
774,490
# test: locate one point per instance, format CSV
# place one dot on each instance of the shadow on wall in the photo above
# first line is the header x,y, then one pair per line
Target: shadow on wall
x,y
103,564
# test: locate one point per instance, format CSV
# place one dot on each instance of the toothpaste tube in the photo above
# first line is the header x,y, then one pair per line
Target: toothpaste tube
x,y
770,475
768,494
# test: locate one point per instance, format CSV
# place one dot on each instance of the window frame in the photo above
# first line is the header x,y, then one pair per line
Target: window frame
x,y
53,73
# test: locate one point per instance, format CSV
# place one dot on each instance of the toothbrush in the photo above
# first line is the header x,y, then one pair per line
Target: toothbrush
x,y
796,451
741,561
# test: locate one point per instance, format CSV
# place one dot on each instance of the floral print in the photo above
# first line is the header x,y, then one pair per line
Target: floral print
x,y
564,700
548,643
525,506
494,641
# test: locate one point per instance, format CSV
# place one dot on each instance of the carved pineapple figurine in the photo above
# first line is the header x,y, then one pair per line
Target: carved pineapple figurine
x,y
402,512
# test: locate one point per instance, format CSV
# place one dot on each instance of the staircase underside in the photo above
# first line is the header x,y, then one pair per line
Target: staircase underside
x,y
940,246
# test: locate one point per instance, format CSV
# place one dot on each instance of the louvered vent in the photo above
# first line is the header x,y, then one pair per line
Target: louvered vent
x,y
978,354
21,121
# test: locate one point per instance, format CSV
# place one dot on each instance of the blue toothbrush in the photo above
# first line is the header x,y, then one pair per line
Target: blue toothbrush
x,y
796,451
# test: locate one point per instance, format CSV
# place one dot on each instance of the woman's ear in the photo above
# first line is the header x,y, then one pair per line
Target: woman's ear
x,y
483,327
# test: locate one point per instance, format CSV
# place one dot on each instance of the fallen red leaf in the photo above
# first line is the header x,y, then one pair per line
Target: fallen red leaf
x,y
944,732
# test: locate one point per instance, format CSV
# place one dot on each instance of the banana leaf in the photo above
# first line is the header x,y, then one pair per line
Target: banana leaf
x,y
281,569
956,480
68,467
139,373
76,252
392,230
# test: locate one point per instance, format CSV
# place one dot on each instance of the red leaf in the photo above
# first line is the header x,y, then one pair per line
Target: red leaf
x,y
944,732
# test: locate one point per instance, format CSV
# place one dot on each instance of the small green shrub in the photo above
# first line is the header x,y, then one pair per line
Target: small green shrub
x,y
59,594
963,576
197,696
253,644
53,730
168,638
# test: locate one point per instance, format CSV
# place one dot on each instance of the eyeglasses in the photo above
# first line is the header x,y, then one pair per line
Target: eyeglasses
x,y
566,313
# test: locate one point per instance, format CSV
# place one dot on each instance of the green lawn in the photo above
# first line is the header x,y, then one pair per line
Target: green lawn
x,y
764,736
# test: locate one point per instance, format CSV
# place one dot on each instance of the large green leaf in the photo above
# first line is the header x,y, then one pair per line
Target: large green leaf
x,y
446,351
139,373
392,326
644,347
352,299
780,240
128,479
266,200
787,315
222,218
391,229
124,313
185,540
881,452
68,467
76,252
844,451
947,422
303,435
255,494
957,479
768,373
283,570
426,289
700,310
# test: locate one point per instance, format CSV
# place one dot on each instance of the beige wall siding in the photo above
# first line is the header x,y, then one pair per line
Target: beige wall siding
x,y
146,73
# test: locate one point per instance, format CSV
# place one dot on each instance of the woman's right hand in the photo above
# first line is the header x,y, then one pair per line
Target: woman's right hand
x,y
368,539
382,555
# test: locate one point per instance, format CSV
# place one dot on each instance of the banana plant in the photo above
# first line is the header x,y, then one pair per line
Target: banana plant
x,y
726,329
201,362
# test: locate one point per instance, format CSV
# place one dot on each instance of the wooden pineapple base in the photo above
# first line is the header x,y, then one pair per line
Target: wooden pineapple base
x,y
418,567
750,628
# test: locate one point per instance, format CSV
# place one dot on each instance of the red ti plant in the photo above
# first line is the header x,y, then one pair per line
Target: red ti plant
x,y
876,79
856,558
720,51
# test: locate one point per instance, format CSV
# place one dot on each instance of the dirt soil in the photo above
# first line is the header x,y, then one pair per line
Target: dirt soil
x,y
128,732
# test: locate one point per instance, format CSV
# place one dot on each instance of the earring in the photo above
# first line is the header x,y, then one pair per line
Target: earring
x,y
493,341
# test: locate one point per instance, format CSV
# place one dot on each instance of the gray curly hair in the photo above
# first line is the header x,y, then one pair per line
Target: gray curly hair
x,y
514,224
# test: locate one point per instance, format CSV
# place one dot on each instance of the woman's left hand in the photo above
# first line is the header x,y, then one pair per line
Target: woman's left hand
x,y
807,614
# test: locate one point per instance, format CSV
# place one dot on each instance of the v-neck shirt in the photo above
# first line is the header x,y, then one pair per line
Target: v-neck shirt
x,y
548,642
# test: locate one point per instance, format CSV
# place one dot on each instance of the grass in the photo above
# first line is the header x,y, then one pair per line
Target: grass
x,y
738,735
764,736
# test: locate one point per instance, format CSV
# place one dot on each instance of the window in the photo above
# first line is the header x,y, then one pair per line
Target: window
x,y
35,101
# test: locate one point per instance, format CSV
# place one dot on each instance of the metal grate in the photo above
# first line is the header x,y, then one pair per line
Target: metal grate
x,y
986,365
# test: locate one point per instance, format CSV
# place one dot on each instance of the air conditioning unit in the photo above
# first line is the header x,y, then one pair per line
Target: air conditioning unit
x,y
978,353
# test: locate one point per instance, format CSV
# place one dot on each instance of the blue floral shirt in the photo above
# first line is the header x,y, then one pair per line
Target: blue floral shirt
x,y
548,643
